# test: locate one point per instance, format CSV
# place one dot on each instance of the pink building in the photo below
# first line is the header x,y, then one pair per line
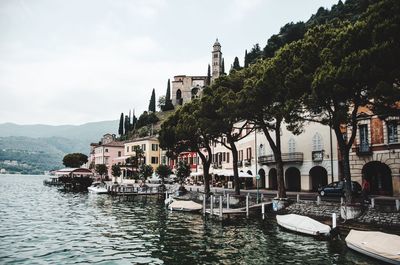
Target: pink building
x,y
107,150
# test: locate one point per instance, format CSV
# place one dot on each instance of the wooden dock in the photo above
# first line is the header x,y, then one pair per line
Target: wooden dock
x,y
133,191
226,212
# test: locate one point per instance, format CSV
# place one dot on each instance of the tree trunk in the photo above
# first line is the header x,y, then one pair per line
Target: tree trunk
x,y
235,167
206,168
279,163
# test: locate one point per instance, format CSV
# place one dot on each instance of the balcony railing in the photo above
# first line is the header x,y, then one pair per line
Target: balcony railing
x,y
295,157
364,150
240,163
247,162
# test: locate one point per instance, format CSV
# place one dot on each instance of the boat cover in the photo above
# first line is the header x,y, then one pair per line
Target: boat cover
x,y
378,243
185,206
302,224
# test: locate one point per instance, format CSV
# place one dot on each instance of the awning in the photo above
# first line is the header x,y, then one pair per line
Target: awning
x,y
226,172
196,174
73,171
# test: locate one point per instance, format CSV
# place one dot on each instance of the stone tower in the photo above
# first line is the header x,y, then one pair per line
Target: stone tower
x,y
216,60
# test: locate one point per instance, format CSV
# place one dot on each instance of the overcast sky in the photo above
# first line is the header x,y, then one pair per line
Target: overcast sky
x,y
78,61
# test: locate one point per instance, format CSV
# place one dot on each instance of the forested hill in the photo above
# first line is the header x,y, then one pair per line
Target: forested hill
x,y
293,31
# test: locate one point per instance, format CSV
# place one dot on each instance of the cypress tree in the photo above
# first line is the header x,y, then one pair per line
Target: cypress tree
x,y
126,124
223,67
152,104
208,75
121,125
246,63
236,64
168,94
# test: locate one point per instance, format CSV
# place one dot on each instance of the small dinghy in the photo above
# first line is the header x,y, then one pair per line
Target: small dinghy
x,y
185,206
303,224
99,188
378,245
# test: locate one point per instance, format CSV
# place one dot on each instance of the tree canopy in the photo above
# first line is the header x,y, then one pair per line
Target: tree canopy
x,y
75,160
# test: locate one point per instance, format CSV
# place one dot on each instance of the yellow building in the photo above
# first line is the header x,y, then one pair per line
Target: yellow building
x,y
150,147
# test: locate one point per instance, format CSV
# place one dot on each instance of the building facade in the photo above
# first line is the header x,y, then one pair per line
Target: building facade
x,y
149,146
375,155
106,151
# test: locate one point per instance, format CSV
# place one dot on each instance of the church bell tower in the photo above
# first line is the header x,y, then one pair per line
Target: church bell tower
x,y
216,60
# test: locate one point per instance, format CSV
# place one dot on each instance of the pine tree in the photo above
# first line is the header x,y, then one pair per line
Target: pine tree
x,y
246,63
208,75
121,125
152,104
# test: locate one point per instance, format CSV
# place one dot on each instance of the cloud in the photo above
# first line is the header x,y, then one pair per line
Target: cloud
x,y
239,9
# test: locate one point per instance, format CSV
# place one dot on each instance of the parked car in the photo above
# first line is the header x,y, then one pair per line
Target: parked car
x,y
337,189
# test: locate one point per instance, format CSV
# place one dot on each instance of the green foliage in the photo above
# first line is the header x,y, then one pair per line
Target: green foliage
x,y
246,61
152,104
101,169
121,125
145,171
75,160
161,102
146,119
143,131
163,172
208,75
168,93
182,171
116,170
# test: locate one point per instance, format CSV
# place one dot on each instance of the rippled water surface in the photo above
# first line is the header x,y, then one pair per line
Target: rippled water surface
x,y
41,225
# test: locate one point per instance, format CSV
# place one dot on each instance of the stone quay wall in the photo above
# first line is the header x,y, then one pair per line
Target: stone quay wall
x,y
373,216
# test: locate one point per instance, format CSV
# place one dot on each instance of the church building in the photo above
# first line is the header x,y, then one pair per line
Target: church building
x,y
185,88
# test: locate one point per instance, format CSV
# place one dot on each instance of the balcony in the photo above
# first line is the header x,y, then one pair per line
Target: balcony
x,y
216,166
247,162
364,149
240,163
317,156
296,157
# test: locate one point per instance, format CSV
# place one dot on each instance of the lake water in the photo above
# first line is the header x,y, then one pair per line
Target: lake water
x,y
41,225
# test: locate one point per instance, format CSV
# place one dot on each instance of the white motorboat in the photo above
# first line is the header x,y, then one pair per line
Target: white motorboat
x,y
185,206
99,188
378,245
303,224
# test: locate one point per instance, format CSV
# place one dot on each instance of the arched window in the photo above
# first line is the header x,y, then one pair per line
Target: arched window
x,y
292,145
178,94
317,143
261,150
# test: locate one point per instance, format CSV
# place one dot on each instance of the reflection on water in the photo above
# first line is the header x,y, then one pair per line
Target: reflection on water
x,y
40,224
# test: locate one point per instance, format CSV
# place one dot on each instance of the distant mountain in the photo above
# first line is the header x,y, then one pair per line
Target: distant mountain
x,y
88,131
35,155
32,149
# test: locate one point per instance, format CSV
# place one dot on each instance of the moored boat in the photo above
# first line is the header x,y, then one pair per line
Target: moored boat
x,y
54,181
303,224
185,206
382,246
98,187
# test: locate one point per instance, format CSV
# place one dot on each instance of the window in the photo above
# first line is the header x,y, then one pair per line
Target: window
x,y
154,147
215,55
364,135
144,147
227,157
119,153
392,132
106,150
154,160
127,149
317,142
261,150
248,153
